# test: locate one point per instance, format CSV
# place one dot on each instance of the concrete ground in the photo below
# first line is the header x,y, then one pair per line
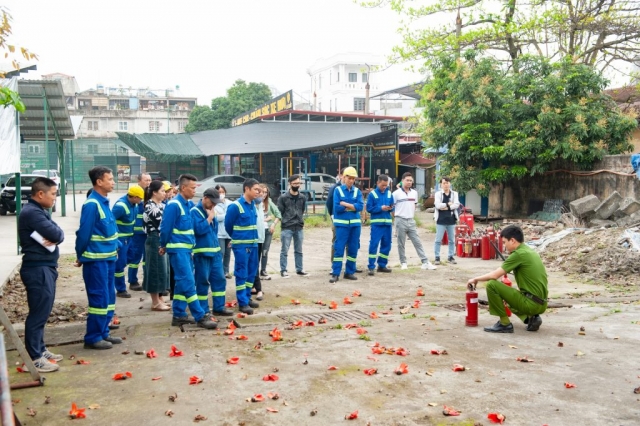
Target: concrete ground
x,y
601,360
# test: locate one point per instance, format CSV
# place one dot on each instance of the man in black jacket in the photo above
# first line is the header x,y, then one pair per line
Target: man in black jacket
x,y
39,238
292,206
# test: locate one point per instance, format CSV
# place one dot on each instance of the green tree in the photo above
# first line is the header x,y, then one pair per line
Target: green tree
x,y
241,97
498,126
593,32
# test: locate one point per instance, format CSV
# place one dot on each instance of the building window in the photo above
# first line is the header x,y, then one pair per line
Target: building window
x,y
358,104
34,149
123,150
181,125
353,77
154,126
92,125
123,126
92,149
365,77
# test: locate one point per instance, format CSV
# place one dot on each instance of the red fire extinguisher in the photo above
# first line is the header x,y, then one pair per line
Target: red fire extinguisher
x,y
471,320
462,241
475,251
484,247
492,239
467,218
500,246
506,281
460,246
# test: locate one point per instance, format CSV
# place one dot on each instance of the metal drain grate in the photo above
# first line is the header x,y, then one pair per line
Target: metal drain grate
x,y
329,316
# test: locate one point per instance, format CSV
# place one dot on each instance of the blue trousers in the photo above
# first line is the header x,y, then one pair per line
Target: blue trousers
x,y
440,229
121,263
380,236
40,282
349,237
184,292
286,235
99,282
210,274
245,271
135,255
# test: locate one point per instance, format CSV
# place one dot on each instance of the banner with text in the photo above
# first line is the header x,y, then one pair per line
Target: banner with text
x,y
282,102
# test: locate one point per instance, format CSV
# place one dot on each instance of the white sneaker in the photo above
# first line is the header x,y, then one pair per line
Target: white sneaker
x,y
404,266
50,355
428,265
42,365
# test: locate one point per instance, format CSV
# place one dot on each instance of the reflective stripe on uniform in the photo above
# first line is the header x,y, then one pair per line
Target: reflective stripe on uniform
x,y
197,210
203,297
90,255
179,245
97,203
239,287
111,307
119,222
118,274
346,222
133,265
218,294
207,250
125,234
244,241
374,194
237,203
100,238
245,228
384,256
381,221
192,298
340,191
353,259
124,206
338,259
97,311
179,205
187,232
372,256
138,228
179,297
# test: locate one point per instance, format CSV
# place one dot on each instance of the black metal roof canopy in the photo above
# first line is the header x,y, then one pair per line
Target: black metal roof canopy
x,y
44,98
276,136
410,91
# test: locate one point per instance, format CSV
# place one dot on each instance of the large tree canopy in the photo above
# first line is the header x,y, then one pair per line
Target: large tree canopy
x,y
593,32
498,126
241,97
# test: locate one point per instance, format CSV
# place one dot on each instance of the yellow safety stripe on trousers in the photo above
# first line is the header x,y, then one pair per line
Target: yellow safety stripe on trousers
x,y
97,311
90,255
125,234
237,203
380,221
179,245
384,256
140,216
346,222
240,287
203,297
97,203
124,206
245,228
119,274
243,241
218,294
138,228
206,250
133,265
349,258
179,205
100,238
338,259
197,210
119,222
372,256
179,297
192,298
179,232
111,307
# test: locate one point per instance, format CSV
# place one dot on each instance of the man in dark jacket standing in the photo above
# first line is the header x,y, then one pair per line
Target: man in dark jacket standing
x,y
39,238
292,205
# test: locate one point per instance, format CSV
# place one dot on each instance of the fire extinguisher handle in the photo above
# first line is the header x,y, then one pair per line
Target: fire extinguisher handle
x,y
471,287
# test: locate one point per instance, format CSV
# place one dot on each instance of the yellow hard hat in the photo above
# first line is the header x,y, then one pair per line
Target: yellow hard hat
x,y
136,191
350,171
167,185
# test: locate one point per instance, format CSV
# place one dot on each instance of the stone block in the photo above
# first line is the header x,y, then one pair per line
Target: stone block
x,y
608,206
584,207
599,223
628,221
628,206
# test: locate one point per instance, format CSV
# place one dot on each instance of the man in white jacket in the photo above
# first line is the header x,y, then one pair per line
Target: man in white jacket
x,y
445,215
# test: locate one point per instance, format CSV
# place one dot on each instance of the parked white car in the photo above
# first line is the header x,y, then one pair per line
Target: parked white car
x,y
318,182
232,184
53,175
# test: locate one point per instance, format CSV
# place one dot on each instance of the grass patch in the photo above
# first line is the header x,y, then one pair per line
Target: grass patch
x,y
431,228
317,222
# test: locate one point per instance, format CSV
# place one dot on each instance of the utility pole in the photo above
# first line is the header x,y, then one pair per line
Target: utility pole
x,y
366,90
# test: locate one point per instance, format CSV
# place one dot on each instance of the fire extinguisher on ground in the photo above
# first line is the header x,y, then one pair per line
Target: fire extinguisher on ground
x,y
471,319
506,281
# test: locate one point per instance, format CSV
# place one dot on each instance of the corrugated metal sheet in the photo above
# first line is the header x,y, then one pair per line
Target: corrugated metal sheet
x,y
33,94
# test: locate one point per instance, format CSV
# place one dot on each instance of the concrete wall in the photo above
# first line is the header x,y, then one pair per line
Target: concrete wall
x,y
523,197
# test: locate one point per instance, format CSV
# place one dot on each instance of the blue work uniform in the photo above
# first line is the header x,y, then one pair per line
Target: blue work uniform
x,y
241,225
177,237
97,247
135,255
348,227
207,259
381,227
125,214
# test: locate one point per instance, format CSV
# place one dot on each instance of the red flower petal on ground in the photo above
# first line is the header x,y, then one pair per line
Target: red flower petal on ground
x,y
332,367
115,320
458,367
361,331
356,293
350,325
231,326
241,315
257,398
378,350
272,410
194,380
352,416
122,376
321,303
295,302
372,358
233,360
297,324
416,304
151,353
569,385
496,417
128,374
371,371
347,301
231,304
273,396
175,351
333,305
242,337
322,321
420,292
401,352
373,315
402,369
156,378
450,411
76,413
228,332
82,362
310,324
270,378
437,352
276,335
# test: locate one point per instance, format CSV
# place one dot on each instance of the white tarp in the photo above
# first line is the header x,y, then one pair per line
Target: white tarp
x,y
9,136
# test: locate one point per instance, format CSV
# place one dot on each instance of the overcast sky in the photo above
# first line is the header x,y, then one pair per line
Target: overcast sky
x,y
202,45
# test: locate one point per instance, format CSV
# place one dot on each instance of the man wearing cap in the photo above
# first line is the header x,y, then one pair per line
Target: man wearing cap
x,y
135,253
125,211
207,257
347,205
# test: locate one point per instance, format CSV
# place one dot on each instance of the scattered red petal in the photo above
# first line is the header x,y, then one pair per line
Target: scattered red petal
x,y
22,369
310,324
122,376
272,410
233,360
276,335
128,374
356,293
151,353
402,369
458,367
361,331
386,312
352,416
270,378
569,385
496,417
76,413
175,351
322,321
524,359
420,292
242,337
373,315
332,367
115,320
347,301
231,326
321,303
156,378
228,332
241,315
333,305
370,371
401,352
231,304
82,362
298,324
372,358
416,304
257,398
350,325
437,352
377,350
450,411
273,396
295,301
194,380
258,346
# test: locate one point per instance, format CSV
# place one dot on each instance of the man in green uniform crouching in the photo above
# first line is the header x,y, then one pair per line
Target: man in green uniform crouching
x,y
529,300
